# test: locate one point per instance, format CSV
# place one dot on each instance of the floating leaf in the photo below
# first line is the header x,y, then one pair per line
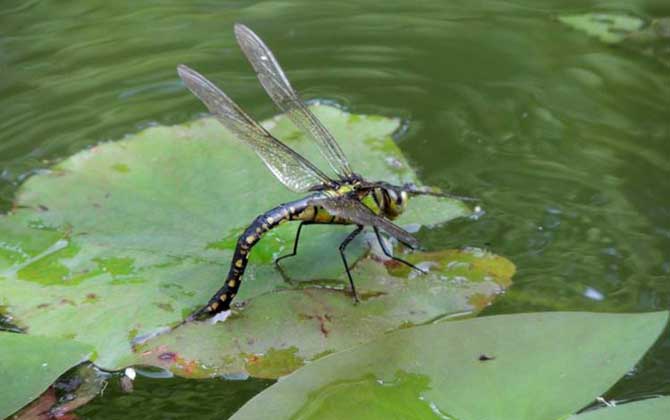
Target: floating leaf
x,y
276,333
29,364
608,27
540,366
125,239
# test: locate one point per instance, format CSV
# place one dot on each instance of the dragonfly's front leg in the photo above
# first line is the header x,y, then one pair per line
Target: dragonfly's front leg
x,y
343,246
391,256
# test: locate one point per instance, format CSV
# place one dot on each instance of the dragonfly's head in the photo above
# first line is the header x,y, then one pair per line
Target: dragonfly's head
x,y
391,199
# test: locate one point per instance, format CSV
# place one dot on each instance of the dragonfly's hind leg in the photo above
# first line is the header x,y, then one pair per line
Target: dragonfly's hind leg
x,y
343,246
291,254
295,245
391,256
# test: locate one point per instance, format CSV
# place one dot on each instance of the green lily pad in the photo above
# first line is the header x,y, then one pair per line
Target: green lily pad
x,y
29,364
541,366
646,36
610,28
122,240
276,333
651,409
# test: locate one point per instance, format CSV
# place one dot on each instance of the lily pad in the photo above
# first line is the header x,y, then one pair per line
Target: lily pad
x,y
651,409
541,366
277,333
646,36
610,28
125,239
29,364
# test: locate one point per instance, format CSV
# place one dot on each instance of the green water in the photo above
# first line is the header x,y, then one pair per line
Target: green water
x,y
565,140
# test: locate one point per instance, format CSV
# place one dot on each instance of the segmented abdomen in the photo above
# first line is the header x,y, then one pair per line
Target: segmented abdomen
x,y
297,210
222,299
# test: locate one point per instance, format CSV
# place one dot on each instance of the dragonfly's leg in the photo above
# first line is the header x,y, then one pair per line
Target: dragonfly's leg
x,y
391,256
295,244
343,246
284,275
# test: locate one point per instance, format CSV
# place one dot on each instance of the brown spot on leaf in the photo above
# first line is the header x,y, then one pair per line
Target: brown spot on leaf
x,y
189,367
274,363
323,319
165,306
168,356
322,326
480,300
391,263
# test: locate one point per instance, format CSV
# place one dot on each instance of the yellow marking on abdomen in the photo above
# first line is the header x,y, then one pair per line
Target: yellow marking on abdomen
x,y
307,214
231,283
323,216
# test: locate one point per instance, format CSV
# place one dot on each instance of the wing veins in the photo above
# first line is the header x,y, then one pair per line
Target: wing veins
x,y
288,166
276,84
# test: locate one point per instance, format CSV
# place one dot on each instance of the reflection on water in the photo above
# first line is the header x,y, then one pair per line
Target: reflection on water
x,y
564,139
173,398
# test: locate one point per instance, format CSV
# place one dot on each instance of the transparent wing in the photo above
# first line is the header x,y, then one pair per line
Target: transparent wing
x,y
352,209
278,87
289,167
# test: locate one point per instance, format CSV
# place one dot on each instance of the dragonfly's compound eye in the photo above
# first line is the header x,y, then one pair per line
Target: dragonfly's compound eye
x,y
378,195
395,203
403,199
393,197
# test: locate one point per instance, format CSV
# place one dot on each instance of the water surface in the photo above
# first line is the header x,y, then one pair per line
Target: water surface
x,y
566,140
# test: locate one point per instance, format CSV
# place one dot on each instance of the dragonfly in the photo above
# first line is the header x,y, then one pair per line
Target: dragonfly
x,y
345,199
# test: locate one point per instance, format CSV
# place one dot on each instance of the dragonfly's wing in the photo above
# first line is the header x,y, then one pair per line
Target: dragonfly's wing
x,y
352,209
289,167
278,87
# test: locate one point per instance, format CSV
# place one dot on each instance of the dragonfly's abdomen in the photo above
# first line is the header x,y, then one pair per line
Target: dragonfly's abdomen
x,y
300,210
297,210
317,214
